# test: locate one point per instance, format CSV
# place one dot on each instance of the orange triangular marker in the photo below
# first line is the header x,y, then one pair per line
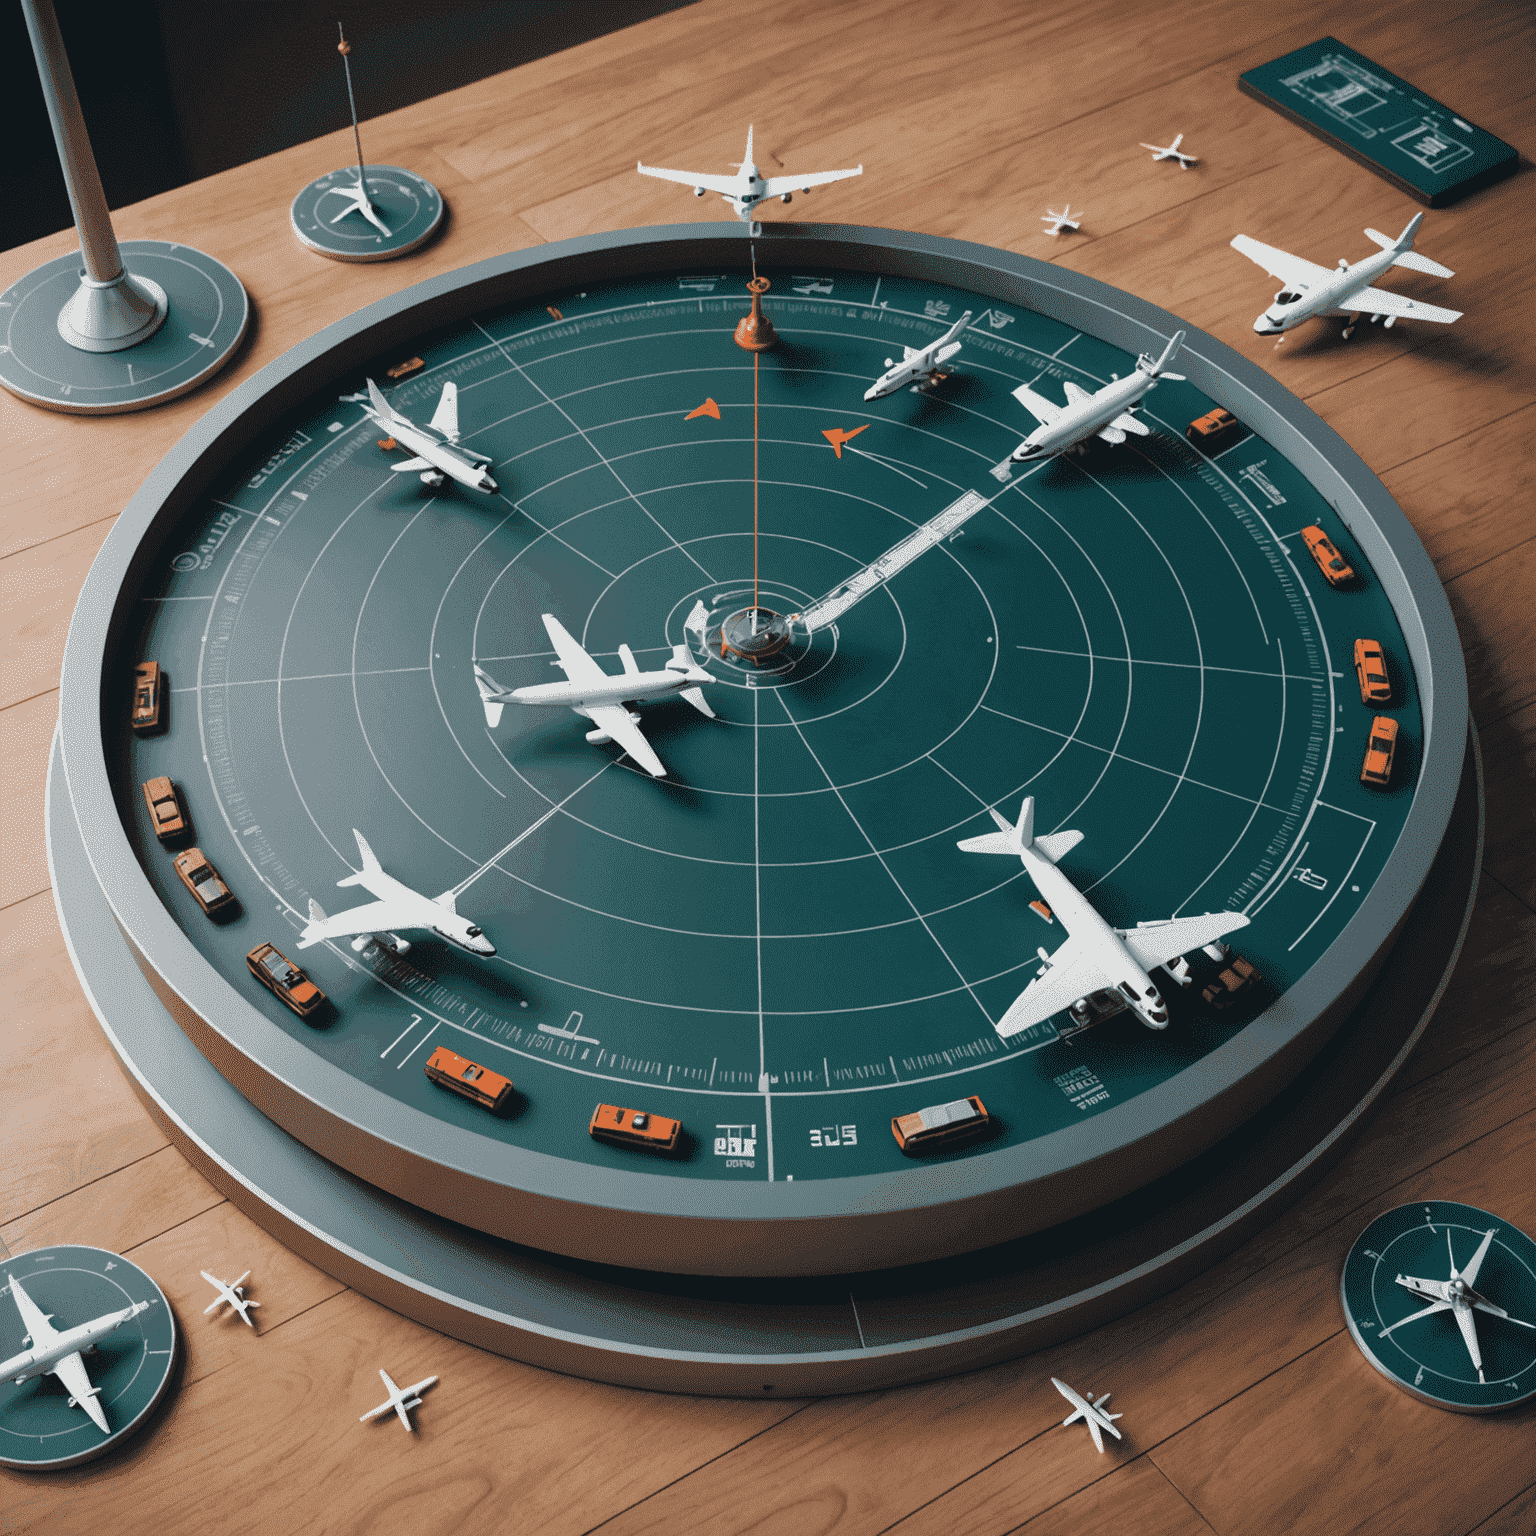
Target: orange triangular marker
x,y
837,437
709,408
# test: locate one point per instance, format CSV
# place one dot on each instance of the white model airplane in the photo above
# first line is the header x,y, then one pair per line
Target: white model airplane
x,y
60,1350
745,190
1095,956
1060,221
1105,413
919,365
1171,152
233,1294
1457,1297
439,455
358,202
1091,1411
601,698
398,906
1311,290
401,1399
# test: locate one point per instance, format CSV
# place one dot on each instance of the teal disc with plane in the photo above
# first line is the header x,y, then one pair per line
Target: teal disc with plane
x,y
131,1366
1397,1286
405,210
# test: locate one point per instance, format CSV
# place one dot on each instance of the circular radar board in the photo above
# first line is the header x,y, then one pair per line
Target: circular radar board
x,y
400,212
129,1368
1441,1299
777,942
206,321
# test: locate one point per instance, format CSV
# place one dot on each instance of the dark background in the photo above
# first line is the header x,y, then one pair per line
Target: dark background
x,y
174,90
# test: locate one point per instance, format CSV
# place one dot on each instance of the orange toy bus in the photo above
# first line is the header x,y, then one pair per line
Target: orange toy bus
x,y
635,1128
489,1089
941,1127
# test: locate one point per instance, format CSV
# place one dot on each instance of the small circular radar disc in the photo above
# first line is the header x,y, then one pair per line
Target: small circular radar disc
x,y
130,1367
328,217
207,315
1395,1285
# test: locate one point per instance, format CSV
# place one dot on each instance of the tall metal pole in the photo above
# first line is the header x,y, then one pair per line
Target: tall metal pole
x,y
112,309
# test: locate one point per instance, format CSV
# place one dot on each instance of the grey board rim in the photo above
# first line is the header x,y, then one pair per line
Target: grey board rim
x,y
823,1227
306,1202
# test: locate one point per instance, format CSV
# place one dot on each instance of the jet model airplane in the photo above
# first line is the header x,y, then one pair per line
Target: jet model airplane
x,y
919,365
358,202
601,698
1171,152
232,1293
439,455
1457,1297
398,906
745,190
1095,956
1091,1411
401,1399
1059,221
1311,290
60,1350
1105,413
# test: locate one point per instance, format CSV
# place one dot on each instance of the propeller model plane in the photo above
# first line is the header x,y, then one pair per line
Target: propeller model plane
x,y
439,454
1095,956
745,190
1106,413
1311,291
233,1294
919,366
60,1351
1060,221
398,906
401,1399
1090,1410
600,697
1172,152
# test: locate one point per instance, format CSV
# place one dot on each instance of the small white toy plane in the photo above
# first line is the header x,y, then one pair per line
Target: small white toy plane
x,y
1091,1411
401,1399
233,1294
1095,956
358,202
919,366
1060,221
1105,413
1171,152
1311,290
398,906
745,190
600,697
60,1350
1457,1297
439,454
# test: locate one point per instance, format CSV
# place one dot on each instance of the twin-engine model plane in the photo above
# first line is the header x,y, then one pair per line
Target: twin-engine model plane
x,y
61,1350
1095,955
919,366
1091,1411
439,454
600,697
398,906
401,1399
1311,290
1172,152
234,1294
1106,413
745,190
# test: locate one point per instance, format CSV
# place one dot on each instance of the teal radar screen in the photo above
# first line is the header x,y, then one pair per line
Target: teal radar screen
x,y
722,739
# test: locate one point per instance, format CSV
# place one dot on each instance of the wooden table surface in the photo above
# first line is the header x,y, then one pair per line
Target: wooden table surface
x,y
1247,1406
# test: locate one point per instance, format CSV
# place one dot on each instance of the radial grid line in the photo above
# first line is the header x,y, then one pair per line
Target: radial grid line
x,y
1192,666
549,533
1183,778
593,446
832,785
306,677
961,782
1359,854
757,881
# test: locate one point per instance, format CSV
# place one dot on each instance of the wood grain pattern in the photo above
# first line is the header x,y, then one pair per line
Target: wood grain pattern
x,y
1247,1406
